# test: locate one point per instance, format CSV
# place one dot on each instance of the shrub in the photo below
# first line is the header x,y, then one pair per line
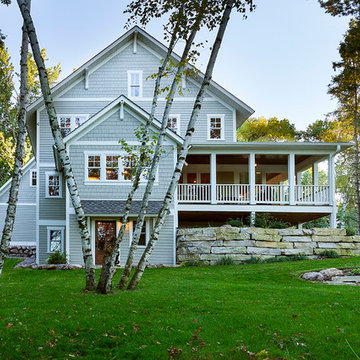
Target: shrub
x,y
253,260
355,272
323,222
238,222
191,263
331,254
56,258
267,221
226,260
285,258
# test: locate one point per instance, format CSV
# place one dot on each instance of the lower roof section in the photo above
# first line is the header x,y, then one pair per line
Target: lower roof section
x,y
117,207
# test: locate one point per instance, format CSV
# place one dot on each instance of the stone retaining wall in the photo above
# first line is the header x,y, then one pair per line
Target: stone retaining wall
x,y
22,251
210,244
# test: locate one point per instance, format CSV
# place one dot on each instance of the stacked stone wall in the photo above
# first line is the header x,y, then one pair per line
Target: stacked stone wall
x,y
209,245
22,251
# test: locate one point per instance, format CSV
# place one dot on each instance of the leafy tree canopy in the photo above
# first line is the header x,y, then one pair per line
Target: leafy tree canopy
x,y
341,7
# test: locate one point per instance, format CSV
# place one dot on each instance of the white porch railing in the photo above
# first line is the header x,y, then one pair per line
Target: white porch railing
x,y
200,193
312,194
271,194
232,193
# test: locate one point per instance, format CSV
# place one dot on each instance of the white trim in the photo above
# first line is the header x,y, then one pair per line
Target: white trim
x,y
234,127
31,178
144,99
48,230
222,129
52,173
135,43
22,243
38,187
67,224
140,73
178,118
113,143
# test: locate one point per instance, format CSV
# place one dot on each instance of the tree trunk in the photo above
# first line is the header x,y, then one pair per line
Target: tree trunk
x,y
61,149
149,186
184,150
19,151
108,271
356,161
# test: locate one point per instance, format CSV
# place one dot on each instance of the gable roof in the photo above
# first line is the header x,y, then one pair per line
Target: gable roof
x,y
243,111
95,119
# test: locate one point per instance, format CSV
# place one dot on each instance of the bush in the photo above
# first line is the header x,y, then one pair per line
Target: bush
x,y
267,221
56,258
253,260
191,263
323,222
226,260
238,222
285,258
355,272
330,254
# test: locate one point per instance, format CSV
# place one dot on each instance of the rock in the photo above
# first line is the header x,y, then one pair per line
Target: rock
x,y
328,232
327,245
228,250
49,267
355,238
329,273
230,233
273,244
240,243
75,267
263,251
297,251
347,246
296,239
312,276
291,232
304,245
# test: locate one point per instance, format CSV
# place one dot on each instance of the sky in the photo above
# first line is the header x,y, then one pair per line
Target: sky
x,y
278,60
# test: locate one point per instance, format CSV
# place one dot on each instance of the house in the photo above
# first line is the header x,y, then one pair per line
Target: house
x,y
102,102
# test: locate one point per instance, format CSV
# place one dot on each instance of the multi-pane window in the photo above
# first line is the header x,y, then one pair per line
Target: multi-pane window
x,y
33,178
143,234
135,83
129,168
69,123
173,123
53,182
112,167
55,239
94,167
215,127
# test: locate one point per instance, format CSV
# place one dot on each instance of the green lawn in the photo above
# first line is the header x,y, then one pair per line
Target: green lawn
x,y
207,312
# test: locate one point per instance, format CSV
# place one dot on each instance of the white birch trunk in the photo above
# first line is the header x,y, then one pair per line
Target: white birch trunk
x,y
61,149
108,271
149,186
19,151
184,150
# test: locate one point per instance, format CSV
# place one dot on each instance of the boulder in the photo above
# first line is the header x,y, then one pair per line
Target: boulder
x,y
329,273
273,244
228,250
296,239
263,251
328,232
312,276
291,232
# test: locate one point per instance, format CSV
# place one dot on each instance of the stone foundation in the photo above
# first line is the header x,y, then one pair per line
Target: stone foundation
x,y
22,251
208,245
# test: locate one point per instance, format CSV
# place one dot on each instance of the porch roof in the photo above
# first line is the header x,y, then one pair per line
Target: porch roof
x,y
117,207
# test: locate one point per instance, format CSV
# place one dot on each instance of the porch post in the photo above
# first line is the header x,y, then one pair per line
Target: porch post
x,y
252,177
291,177
331,175
213,177
315,174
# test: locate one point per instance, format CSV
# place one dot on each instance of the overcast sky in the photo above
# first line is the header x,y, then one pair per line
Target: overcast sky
x,y
278,61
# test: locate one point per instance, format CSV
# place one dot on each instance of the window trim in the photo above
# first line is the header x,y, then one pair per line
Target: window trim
x,y
177,116
72,120
147,233
53,173
103,180
31,178
140,72
55,228
222,130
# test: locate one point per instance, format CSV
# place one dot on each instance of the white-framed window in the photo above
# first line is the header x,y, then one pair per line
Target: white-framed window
x,y
134,84
70,122
55,239
145,233
53,185
33,178
110,168
215,127
173,123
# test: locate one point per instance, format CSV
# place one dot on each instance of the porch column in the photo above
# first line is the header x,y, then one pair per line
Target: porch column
x,y
252,177
213,177
291,177
331,180
315,174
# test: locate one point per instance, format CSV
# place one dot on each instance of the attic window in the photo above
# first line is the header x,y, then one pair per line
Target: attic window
x,y
69,123
134,84
215,127
173,123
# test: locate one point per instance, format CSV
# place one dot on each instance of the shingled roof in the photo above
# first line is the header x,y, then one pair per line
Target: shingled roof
x,y
117,207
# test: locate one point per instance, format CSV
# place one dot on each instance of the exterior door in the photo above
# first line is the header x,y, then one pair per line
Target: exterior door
x,y
105,233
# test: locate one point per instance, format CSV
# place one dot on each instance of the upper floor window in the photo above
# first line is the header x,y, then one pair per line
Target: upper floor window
x,y
134,84
94,167
55,238
173,123
53,185
69,123
33,178
215,127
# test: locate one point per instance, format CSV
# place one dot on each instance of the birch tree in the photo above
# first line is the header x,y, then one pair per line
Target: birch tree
x,y
60,147
20,149
225,15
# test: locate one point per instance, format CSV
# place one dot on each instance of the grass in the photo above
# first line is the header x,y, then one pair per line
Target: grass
x,y
207,312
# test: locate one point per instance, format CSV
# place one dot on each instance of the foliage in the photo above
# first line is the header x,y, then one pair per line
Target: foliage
x,y
341,7
192,263
355,272
267,221
56,258
253,260
347,219
323,222
238,222
299,257
262,129
329,254
306,178
225,260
